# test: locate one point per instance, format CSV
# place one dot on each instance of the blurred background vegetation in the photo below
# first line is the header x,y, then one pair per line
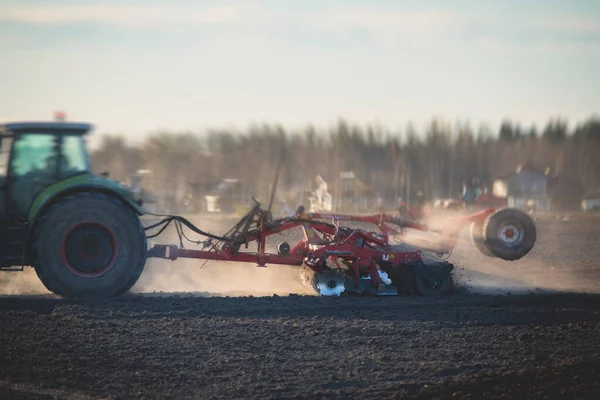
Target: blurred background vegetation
x,y
433,163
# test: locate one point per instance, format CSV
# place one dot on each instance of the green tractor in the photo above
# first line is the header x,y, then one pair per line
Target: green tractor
x,y
80,232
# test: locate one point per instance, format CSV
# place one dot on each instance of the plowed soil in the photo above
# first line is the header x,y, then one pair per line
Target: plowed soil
x,y
528,329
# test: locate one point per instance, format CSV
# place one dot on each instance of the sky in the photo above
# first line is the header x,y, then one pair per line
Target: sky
x,y
136,67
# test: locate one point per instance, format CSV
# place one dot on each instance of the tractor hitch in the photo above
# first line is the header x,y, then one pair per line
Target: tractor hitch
x,y
172,252
166,251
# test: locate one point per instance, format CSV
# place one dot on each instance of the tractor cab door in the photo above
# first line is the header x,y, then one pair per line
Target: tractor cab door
x,y
32,169
40,160
5,144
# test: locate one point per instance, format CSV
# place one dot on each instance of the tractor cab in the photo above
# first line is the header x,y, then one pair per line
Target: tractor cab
x,y
35,156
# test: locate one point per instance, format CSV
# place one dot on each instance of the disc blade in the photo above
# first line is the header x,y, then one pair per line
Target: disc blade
x,y
329,284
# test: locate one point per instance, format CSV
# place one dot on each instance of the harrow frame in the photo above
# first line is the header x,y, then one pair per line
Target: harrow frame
x,y
327,247
448,237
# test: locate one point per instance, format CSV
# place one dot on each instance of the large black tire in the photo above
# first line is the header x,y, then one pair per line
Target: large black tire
x,y
403,278
407,280
89,245
477,239
422,287
509,234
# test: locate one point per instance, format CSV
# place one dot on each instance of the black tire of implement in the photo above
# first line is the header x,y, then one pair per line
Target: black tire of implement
x,y
403,278
109,211
477,240
421,287
496,246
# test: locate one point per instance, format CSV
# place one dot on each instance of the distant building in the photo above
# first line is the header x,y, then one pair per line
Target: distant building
x,y
531,188
352,194
225,197
591,201
526,187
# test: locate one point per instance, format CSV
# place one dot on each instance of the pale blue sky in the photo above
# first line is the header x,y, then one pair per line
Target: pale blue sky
x,y
138,66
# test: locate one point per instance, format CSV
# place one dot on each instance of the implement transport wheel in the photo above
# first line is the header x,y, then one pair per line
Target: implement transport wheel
x,y
477,239
437,269
509,234
89,245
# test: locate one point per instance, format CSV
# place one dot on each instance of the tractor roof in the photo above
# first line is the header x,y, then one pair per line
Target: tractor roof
x,y
44,127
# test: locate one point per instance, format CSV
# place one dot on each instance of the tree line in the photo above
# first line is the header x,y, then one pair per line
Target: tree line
x,y
434,162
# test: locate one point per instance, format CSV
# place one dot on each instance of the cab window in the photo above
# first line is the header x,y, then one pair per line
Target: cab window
x,y
74,153
33,168
34,153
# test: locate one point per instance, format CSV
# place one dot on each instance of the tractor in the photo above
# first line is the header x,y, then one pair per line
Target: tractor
x,y
81,232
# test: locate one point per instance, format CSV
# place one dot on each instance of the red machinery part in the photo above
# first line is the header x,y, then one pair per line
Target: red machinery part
x,y
356,247
384,222
365,254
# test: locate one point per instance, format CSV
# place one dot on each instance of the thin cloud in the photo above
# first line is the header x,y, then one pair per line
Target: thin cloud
x,y
122,14
444,22
570,24
495,44
383,20
567,47
505,31
372,18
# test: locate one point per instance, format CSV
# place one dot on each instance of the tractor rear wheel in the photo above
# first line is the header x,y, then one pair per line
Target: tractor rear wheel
x,y
89,245
509,234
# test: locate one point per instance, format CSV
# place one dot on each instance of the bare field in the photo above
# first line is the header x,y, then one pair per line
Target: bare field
x,y
524,329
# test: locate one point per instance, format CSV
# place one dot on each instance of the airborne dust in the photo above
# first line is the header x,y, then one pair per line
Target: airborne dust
x,y
217,278
21,283
563,259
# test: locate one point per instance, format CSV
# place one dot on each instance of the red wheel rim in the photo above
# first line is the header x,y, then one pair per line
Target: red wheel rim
x,y
89,249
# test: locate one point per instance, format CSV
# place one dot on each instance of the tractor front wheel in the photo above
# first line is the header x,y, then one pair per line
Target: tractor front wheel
x,y
89,245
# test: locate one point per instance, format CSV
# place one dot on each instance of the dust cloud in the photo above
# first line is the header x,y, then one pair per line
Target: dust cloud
x,y
219,278
21,283
559,262
564,258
